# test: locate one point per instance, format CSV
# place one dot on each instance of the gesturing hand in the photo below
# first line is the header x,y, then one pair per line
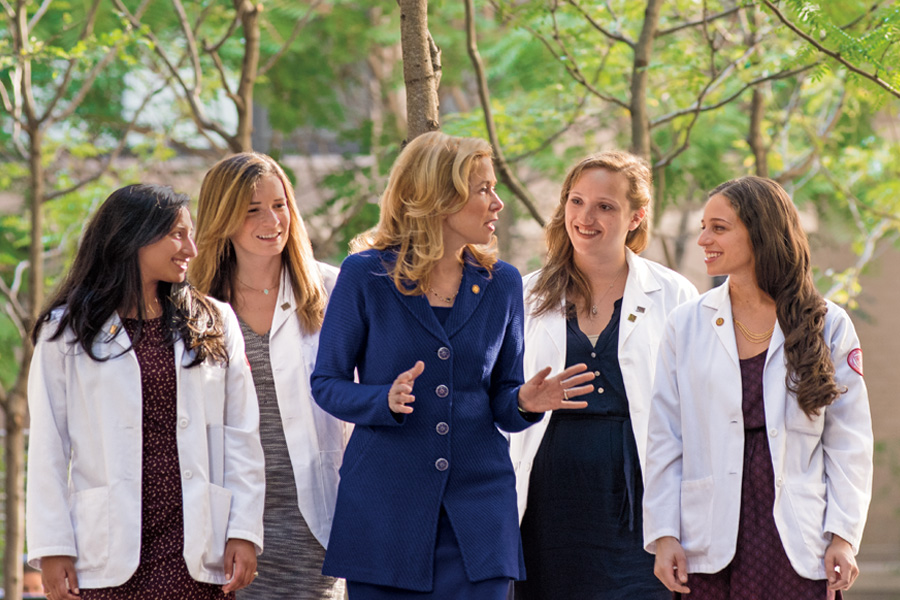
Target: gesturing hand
x,y
400,393
840,564
59,577
671,565
540,394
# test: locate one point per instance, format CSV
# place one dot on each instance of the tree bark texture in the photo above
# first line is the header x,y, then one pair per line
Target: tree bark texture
x,y
755,137
249,66
643,50
421,68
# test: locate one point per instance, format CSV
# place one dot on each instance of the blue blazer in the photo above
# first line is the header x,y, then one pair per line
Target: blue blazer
x,y
399,470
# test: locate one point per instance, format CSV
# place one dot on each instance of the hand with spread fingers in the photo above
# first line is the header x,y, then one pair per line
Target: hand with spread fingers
x,y
59,578
540,393
400,393
840,564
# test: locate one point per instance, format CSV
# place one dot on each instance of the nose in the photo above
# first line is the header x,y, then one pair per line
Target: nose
x,y
703,238
270,216
190,248
497,205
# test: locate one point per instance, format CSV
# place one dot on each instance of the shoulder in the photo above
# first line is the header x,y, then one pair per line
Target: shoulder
x,y
365,263
838,324
329,274
669,280
530,280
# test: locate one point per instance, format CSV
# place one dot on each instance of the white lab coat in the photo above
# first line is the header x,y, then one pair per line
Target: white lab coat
x,y
315,439
651,291
83,496
822,466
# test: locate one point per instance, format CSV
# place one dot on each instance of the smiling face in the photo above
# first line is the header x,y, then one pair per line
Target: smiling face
x,y
475,222
167,258
265,228
598,214
725,240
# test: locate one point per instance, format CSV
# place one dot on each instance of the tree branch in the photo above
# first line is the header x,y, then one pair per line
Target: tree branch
x,y
231,29
191,43
706,19
611,35
298,27
830,53
35,19
686,111
506,174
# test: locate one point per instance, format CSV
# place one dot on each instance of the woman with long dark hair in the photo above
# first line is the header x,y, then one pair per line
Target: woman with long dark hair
x,y
578,472
254,253
759,458
145,471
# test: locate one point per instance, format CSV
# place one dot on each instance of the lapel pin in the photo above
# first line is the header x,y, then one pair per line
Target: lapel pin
x,y
286,306
475,289
641,309
632,318
113,329
720,321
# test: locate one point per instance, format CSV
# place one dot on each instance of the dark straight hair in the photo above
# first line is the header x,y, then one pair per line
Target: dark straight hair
x,y
106,277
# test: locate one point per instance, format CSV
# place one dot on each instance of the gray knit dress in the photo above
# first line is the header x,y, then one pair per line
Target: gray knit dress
x,y
291,563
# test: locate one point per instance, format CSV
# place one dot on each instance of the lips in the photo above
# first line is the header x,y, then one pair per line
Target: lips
x,y
586,232
269,237
711,256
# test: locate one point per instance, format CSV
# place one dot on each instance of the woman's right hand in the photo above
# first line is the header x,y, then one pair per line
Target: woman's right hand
x,y
671,565
400,393
55,570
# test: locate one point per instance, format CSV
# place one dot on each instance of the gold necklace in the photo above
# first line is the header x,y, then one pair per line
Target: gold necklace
x,y
756,338
444,299
594,306
265,290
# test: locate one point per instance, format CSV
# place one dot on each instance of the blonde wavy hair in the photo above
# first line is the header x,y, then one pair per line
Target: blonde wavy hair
x,y
224,201
560,277
429,180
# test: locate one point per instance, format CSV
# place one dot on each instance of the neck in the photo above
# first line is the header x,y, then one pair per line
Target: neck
x,y
745,292
601,267
448,266
260,272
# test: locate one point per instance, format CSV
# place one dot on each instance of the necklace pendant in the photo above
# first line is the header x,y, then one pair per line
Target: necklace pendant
x,y
594,309
266,291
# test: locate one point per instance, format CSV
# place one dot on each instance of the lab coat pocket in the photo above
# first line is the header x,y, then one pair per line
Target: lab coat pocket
x,y
89,510
215,444
808,503
696,517
216,526
796,420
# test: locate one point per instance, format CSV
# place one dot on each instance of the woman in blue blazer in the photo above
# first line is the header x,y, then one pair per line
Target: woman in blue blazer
x,y
431,322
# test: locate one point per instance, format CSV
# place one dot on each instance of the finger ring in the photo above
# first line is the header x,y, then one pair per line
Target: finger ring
x,y
256,573
565,394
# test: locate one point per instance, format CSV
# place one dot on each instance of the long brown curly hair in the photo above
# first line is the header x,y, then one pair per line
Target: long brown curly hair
x,y
560,277
783,271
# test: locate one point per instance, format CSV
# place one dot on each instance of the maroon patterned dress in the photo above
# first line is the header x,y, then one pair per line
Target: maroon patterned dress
x,y
760,568
162,573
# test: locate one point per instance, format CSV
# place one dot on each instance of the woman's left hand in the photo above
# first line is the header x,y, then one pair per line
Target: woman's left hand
x,y
540,394
240,564
840,564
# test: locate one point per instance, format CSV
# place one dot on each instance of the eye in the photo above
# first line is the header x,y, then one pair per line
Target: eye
x,y
574,200
605,207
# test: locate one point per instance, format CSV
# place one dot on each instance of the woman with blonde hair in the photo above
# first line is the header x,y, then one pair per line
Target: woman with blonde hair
x,y
595,301
254,253
759,470
432,323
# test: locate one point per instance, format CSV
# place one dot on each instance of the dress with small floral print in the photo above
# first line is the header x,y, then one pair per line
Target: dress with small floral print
x,y
760,568
162,573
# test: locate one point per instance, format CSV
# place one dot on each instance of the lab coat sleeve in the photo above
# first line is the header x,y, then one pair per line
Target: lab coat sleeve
x,y
662,494
341,342
847,439
48,526
507,377
244,461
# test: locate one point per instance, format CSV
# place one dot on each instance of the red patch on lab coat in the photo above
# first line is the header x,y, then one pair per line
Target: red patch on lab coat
x,y
247,360
854,359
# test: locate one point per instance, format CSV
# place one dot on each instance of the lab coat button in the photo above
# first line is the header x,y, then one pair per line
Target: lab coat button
x,y
442,391
183,422
188,474
442,464
600,390
443,353
779,482
442,428
596,373
773,432
593,355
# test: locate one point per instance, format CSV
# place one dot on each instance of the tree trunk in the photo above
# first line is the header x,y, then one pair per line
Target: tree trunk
x,y
419,68
755,137
643,49
249,67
